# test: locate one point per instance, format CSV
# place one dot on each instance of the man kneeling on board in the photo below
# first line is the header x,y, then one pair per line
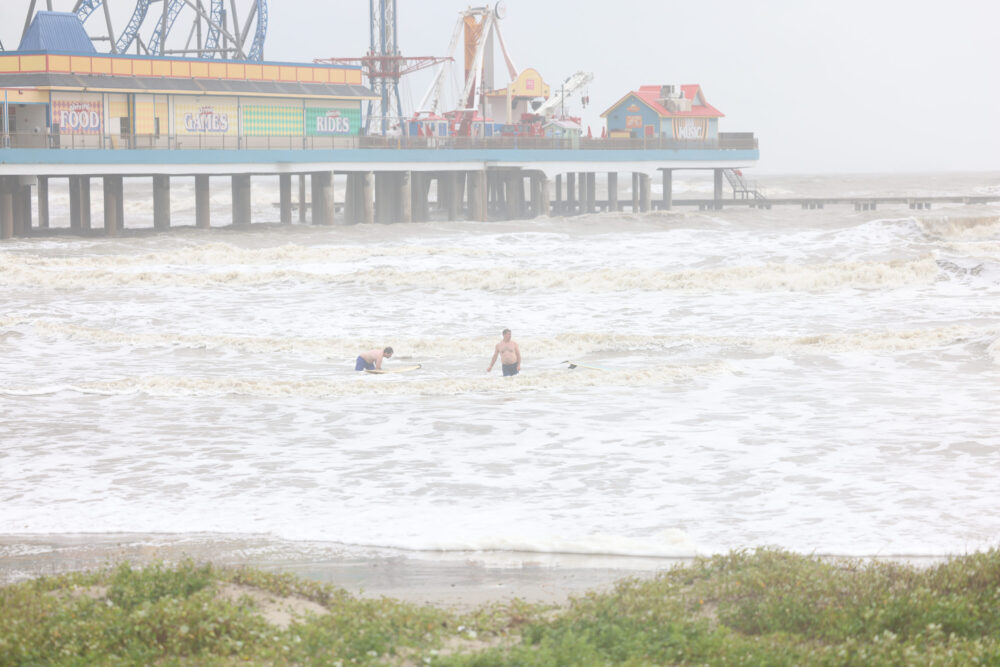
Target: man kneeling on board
x,y
372,359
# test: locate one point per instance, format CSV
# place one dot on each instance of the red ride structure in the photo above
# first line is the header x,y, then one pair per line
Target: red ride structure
x,y
384,65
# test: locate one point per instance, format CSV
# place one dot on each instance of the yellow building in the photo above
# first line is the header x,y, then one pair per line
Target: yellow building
x,y
85,99
506,105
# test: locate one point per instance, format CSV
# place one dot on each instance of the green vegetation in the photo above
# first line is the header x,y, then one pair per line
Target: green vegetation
x,y
746,608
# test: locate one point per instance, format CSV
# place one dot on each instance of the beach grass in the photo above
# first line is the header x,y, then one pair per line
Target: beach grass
x,y
762,607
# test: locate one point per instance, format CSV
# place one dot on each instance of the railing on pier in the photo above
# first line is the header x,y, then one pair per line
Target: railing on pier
x,y
741,141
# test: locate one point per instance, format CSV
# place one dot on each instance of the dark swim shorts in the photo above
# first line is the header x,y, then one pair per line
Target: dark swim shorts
x,y
361,365
509,369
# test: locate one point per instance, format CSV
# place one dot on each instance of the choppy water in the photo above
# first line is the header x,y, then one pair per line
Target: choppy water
x,y
818,380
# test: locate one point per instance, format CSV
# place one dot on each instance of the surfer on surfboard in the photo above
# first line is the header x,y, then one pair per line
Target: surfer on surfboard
x,y
372,359
509,353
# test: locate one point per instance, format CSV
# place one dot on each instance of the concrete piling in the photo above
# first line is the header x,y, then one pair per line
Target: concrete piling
x,y
302,197
161,202
285,198
113,189
323,206
43,202
613,191
668,189
202,202
241,200
6,207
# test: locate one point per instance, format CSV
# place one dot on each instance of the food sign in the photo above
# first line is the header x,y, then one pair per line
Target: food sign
x,y
77,117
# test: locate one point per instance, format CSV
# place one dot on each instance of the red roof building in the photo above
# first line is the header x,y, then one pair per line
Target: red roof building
x,y
678,112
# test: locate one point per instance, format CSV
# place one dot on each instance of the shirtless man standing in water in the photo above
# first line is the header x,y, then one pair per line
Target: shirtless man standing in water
x,y
509,353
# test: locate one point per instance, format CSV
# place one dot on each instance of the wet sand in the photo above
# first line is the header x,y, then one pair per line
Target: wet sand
x,y
460,581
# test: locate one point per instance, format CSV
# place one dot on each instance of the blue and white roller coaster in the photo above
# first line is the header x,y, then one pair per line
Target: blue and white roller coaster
x,y
212,30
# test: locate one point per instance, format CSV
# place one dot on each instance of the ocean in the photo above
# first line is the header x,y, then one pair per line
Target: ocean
x,y
823,381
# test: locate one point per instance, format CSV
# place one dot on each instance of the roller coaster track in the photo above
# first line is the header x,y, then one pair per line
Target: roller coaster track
x,y
257,48
128,36
158,40
216,22
218,16
84,8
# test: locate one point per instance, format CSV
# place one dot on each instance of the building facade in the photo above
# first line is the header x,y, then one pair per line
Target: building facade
x,y
54,98
668,112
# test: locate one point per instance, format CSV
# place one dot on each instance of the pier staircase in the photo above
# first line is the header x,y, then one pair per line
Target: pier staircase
x,y
742,189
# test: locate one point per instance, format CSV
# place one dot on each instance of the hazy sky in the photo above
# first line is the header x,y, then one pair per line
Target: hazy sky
x,y
853,85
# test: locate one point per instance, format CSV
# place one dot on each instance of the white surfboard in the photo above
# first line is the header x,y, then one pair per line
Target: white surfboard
x,y
401,369
573,365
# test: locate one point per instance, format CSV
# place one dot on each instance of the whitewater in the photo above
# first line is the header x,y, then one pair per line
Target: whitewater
x,y
823,381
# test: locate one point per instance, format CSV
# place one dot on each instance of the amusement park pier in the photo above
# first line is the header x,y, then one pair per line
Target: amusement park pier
x,y
216,110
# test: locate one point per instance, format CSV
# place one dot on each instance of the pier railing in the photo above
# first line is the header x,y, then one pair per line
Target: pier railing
x,y
741,141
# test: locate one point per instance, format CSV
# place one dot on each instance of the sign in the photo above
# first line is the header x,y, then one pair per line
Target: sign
x,y
632,108
206,120
333,121
78,117
633,122
691,129
210,118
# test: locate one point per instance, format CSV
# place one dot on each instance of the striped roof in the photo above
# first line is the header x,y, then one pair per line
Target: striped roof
x,y
52,31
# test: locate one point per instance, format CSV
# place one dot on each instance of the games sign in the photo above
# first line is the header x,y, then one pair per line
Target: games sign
x,y
213,118
206,120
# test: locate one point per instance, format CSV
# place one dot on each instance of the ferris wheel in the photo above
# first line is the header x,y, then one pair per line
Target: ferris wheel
x,y
233,30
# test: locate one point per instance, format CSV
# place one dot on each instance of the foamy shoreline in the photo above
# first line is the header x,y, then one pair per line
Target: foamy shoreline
x,y
456,580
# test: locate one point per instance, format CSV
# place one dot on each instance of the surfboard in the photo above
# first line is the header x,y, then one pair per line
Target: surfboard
x,y
573,365
401,369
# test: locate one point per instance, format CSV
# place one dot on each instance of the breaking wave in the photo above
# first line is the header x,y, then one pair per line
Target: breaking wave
x,y
225,254
368,385
568,344
962,228
793,277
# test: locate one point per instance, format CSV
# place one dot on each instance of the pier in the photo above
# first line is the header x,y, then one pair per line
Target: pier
x,y
383,181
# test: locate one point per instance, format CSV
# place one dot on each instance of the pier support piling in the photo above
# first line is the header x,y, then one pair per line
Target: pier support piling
x,y
6,207
113,188
571,198
323,207
22,208
241,200
612,191
302,197
285,198
43,202
717,173
202,202
404,196
591,198
668,189
161,202
74,203
559,194
477,196
645,193
85,208
368,197
635,192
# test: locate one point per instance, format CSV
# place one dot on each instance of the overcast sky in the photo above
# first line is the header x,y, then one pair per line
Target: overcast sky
x,y
847,86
